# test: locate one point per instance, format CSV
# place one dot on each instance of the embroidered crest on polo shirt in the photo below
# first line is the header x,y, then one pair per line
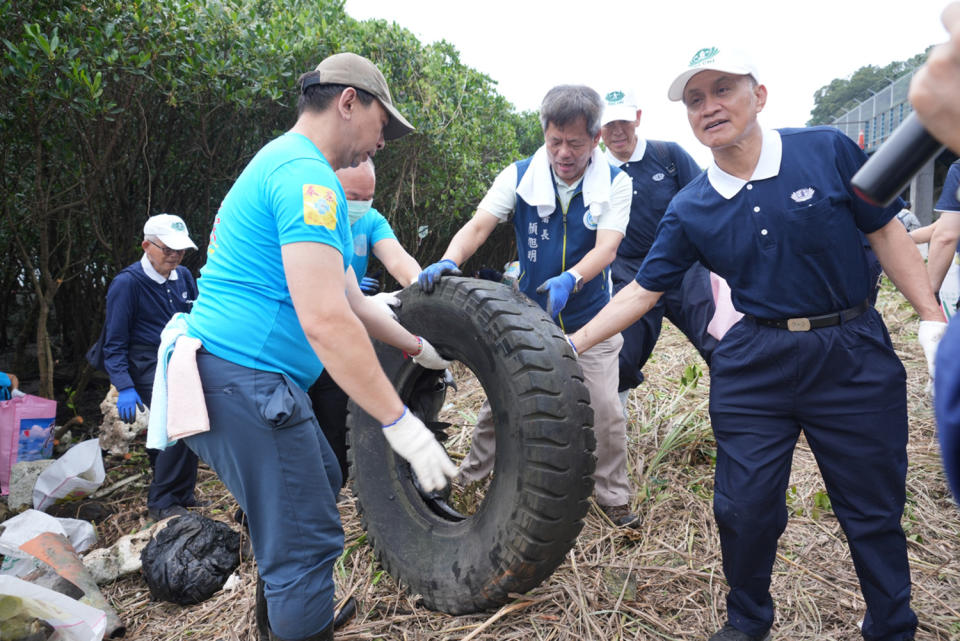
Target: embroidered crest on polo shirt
x,y
657,177
319,206
589,221
703,56
803,195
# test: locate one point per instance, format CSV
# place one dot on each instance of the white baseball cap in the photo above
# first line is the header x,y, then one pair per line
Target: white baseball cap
x,y
170,229
713,59
619,104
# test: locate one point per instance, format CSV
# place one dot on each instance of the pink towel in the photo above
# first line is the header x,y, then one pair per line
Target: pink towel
x,y
725,316
186,406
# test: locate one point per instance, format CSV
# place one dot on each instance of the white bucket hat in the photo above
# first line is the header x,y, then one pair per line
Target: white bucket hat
x,y
713,59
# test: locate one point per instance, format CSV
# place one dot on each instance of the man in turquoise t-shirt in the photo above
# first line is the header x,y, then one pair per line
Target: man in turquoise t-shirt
x,y
371,234
278,304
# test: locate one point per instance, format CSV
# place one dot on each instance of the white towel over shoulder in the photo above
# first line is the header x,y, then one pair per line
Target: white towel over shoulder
x,y
178,408
536,186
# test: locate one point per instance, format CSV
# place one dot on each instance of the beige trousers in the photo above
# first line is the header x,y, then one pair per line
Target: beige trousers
x,y
601,375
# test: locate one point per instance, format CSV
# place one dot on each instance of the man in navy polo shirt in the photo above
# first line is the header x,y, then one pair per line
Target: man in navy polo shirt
x,y
140,301
569,210
659,170
943,248
943,242
810,355
934,93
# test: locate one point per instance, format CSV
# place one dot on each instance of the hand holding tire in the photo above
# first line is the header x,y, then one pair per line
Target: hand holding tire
x,y
369,285
387,301
411,439
428,357
558,291
432,273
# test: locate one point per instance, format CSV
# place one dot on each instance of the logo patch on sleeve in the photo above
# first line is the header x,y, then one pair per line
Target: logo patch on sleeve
x,y
319,206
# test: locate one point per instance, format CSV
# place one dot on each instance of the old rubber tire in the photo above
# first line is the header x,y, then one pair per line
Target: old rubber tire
x,y
534,507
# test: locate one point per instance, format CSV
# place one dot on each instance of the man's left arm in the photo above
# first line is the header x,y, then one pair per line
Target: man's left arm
x,y
380,325
904,266
602,254
398,262
611,227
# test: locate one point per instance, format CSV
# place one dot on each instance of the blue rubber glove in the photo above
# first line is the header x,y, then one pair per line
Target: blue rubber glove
x,y
5,385
558,291
432,273
127,403
369,286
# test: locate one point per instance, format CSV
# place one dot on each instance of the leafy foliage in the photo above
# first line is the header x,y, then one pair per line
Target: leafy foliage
x,y
113,111
842,94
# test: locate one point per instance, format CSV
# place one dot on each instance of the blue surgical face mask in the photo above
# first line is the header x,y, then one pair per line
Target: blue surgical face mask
x,y
357,208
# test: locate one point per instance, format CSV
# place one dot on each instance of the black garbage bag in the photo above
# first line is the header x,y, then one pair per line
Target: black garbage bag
x,y
190,559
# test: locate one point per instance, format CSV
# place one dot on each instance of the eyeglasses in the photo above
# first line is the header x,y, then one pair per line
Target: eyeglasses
x,y
167,251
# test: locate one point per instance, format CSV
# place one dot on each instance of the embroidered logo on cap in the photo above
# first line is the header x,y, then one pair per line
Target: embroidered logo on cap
x,y
319,206
615,98
178,226
803,195
704,56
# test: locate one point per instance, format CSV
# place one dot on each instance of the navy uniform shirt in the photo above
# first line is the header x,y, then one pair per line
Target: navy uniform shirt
x,y
138,308
657,176
948,200
786,241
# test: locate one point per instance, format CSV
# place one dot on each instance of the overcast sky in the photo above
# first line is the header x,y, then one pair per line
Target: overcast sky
x,y
528,46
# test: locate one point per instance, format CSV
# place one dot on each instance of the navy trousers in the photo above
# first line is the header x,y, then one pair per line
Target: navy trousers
x,y
174,468
947,401
330,406
689,306
845,389
265,444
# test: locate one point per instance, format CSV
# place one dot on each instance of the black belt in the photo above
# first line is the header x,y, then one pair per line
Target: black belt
x,y
814,322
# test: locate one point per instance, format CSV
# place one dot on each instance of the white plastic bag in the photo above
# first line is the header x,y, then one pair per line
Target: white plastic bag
x,y
72,620
31,523
72,476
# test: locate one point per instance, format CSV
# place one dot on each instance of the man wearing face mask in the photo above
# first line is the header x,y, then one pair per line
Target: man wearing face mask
x,y
371,233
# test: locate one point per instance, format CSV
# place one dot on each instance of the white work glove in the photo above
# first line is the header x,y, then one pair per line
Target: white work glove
x,y
386,301
929,336
411,439
428,357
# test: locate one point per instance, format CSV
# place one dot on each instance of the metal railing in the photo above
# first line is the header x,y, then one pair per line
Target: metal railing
x,y
878,116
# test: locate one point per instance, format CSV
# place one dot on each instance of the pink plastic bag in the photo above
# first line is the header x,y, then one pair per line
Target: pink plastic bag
x,y
26,433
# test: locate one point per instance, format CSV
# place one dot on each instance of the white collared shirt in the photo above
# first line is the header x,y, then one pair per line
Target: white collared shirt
x,y
153,273
768,166
638,151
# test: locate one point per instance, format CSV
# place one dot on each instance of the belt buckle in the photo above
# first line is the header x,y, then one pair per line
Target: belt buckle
x,y
798,324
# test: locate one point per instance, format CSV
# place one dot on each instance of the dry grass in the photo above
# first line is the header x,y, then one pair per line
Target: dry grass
x,y
663,582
